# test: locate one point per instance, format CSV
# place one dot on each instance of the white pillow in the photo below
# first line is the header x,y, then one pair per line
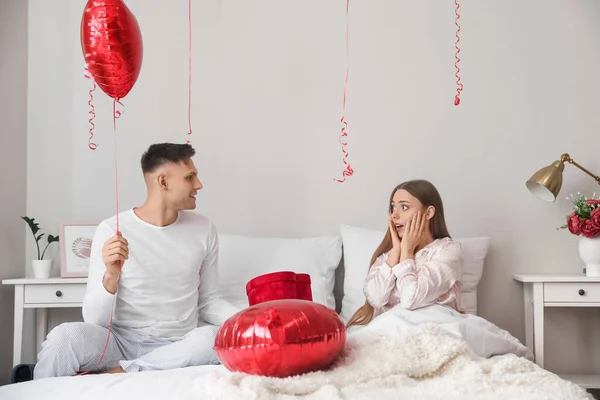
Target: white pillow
x,y
242,258
359,244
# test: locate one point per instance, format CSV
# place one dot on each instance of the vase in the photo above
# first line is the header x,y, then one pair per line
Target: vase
x,y
589,252
41,268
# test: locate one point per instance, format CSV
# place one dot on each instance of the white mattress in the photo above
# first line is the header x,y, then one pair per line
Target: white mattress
x,y
159,385
401,354
203,383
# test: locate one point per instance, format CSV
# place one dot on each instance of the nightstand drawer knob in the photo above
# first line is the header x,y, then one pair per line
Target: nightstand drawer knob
x,y
59,293
581,292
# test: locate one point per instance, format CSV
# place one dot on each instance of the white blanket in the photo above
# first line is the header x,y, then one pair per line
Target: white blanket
x,y
400,355
483,337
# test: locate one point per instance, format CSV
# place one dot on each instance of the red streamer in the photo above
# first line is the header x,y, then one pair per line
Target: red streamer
x,y
91,144
117,113
189,71
348,171
459,85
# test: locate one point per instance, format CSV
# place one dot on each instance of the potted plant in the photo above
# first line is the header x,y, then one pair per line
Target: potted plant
x,y
584,222
41,267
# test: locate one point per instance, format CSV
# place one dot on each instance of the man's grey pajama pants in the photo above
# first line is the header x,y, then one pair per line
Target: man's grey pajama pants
x,y
75,347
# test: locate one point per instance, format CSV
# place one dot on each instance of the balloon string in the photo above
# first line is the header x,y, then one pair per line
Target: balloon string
x,y
116,114
189,71
459,85
348,171
110,328
91,144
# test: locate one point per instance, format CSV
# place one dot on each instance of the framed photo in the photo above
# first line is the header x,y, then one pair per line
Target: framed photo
x,y
75,248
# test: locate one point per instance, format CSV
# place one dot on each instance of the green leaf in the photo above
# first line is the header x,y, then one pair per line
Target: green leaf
x,y
41,235
52,239
585,214
34,226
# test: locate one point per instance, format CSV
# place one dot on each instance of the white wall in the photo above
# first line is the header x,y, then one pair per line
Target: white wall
x,y
13,145
267,89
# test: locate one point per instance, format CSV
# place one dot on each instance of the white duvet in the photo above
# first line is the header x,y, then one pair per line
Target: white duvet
x,y
431,353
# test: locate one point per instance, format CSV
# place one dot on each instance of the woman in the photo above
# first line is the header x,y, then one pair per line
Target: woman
x,y
417,264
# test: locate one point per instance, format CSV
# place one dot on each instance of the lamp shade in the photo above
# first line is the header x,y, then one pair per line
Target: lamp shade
x,y
546,183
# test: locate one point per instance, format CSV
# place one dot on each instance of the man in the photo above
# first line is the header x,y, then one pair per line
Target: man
x,y
160,272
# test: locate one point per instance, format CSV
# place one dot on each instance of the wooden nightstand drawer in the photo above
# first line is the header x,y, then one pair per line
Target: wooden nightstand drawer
x,y
583,292
65,293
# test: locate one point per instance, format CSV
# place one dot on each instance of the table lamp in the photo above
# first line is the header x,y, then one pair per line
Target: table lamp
x,y
546,183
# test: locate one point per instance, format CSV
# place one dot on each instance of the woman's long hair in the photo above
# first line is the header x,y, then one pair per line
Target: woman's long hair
x,y
428,195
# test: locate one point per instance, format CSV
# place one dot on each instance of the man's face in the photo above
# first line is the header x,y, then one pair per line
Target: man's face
x,y
182,185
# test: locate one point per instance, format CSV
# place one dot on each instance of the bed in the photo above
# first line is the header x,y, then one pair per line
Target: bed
x,y
429,353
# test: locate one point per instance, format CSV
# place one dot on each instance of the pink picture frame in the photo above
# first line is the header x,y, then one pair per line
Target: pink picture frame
x,y
75,248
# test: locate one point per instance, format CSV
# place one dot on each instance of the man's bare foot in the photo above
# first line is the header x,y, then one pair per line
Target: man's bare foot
x,y
116,370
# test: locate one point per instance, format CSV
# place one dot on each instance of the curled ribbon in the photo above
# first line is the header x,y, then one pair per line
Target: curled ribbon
x,y
117,113
348,171
189,71
91,144
459,85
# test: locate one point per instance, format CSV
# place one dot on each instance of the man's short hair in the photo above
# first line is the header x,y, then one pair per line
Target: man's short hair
x,y
161,153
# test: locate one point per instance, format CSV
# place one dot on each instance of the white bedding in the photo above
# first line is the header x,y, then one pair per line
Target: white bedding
x,y
483,337
401,355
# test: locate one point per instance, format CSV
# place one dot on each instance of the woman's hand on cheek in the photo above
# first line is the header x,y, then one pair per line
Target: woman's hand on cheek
x,y
394,254
413,235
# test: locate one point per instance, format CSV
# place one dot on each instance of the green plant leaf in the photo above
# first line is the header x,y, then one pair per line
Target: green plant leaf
x,y
34,226
52,239
41,235
34,229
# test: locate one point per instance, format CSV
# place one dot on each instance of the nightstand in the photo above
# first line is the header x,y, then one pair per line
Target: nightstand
x,y
548,290
42,294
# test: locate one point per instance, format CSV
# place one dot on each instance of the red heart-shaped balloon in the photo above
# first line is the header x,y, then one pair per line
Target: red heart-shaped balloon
x,y
281,338
112,46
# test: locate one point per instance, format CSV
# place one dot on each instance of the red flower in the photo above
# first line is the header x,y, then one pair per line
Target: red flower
x,y
574,224
589,229
595,217
596,201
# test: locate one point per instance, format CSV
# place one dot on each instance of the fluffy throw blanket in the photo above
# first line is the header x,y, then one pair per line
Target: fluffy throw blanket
x,y
421,354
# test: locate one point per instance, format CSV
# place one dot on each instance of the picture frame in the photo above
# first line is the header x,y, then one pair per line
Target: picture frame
x,y
75,248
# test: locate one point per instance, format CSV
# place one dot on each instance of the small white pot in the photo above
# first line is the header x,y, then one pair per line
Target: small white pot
x,y
41,268
589,252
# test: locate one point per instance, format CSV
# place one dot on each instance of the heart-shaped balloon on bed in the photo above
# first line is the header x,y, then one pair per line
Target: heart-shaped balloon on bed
x,y
281,338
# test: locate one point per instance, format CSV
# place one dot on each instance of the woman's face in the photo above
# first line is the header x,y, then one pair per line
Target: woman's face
x,y
404,206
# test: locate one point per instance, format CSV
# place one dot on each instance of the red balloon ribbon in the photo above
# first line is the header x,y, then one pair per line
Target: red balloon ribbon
x,y
459,85
348,171
116,114
91,144
189,71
